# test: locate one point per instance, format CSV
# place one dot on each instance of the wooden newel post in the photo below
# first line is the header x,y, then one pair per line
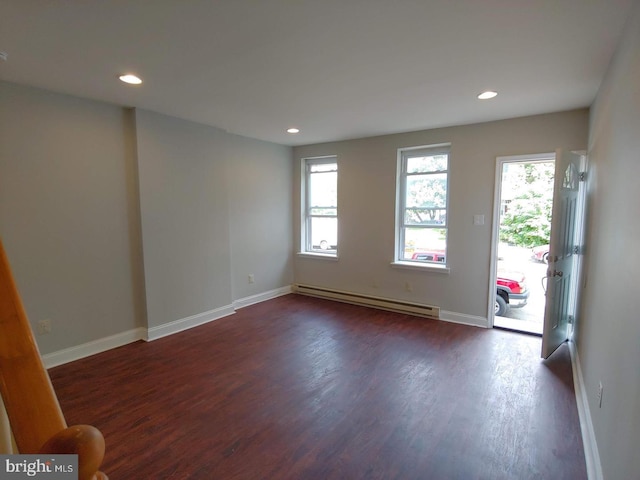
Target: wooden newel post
x,y
32,407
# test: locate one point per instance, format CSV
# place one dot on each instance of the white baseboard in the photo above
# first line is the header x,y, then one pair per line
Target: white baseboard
x,y
261,297
186,323
389,304
149,334
91,348
370,301
591,454
464,319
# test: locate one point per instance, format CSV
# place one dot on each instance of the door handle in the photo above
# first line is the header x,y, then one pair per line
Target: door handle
x,y
550,273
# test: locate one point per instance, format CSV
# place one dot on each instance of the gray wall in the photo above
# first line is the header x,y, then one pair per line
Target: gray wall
x,y
608,334
366,203
83,185
215,208
259,178
185,217
69,215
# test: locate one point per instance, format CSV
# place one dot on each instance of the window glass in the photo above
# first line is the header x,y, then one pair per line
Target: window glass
x,y
431,163
320,232
423,204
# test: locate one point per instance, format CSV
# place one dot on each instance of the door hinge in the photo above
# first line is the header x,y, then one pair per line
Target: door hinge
x,y
582,176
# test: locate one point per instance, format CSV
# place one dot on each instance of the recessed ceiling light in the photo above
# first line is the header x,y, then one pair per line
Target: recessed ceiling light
x,y
293,130
487,95
131,79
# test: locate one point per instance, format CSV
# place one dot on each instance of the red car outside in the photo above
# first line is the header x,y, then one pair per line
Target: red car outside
x,y
511,287
540,253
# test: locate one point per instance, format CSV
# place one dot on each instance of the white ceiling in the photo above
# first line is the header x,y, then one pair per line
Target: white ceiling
x,y
336,69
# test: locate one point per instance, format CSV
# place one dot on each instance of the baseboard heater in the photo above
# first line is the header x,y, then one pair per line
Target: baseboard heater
x,y
369,301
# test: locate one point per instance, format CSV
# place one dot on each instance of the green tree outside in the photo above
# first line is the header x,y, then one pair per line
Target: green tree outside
x,y
526,217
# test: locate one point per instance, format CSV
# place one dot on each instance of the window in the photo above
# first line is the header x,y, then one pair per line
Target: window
x,y
423,175
320,226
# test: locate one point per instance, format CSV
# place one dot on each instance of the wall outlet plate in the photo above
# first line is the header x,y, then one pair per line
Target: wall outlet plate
x,y
44,327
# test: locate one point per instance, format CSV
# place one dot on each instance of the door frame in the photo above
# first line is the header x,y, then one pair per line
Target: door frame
x,y
495,228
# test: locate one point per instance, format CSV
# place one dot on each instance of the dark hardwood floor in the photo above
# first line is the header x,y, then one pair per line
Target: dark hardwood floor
x,y
302,388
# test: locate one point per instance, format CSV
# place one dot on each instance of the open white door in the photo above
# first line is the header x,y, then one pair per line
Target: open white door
x,y
561,284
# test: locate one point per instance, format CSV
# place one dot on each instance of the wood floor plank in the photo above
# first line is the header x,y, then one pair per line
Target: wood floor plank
x,y
303,388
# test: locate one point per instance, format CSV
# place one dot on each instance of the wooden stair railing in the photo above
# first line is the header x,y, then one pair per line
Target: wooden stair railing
x,y
34,413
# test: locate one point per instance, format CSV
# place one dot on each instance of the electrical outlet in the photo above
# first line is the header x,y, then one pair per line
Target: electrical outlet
x,y
600,389
44,327
252,279
408,287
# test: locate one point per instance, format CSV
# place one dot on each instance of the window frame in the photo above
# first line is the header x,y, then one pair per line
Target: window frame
x,y
404,154
306,243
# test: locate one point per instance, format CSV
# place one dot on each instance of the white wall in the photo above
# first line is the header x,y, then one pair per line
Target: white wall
x,y
69,214
366,203
608,337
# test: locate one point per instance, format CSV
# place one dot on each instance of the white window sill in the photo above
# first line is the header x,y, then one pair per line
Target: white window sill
x,y
318,256
422,267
